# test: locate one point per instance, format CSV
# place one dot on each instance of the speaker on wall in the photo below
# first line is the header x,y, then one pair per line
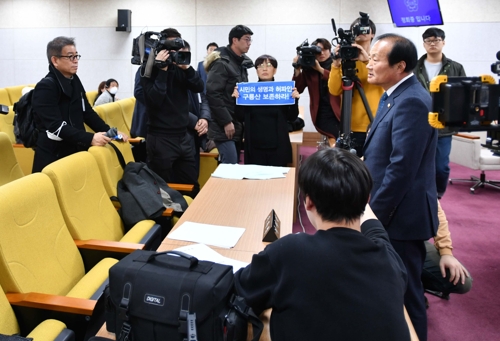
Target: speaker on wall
x,y
124,20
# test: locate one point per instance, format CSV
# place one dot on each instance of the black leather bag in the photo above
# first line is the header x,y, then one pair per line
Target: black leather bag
x,y
173,296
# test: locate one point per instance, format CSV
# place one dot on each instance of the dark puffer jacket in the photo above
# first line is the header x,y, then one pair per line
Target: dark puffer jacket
x,y
224,69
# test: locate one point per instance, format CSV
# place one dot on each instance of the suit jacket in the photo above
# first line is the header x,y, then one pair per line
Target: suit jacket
x,y
400,153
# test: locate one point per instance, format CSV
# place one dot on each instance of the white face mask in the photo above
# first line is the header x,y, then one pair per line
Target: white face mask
x,y
113,90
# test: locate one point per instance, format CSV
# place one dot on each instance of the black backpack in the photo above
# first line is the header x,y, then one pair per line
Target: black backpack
x,y
25,128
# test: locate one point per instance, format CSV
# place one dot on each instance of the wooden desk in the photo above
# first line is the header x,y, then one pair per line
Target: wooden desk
x,y
241,203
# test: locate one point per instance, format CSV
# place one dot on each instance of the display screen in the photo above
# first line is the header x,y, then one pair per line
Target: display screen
x,y
407,13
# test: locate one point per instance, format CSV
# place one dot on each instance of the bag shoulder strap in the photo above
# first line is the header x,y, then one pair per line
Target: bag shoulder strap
x,y
119,154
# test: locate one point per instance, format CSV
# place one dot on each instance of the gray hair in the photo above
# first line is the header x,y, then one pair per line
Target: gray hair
x,y
54,47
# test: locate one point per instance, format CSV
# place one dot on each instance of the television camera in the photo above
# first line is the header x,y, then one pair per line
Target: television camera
x,y
155,42
348,55
307,54
467,104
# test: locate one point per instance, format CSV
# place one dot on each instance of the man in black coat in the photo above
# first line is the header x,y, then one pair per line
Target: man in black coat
x,y
227,66
62,108
169,145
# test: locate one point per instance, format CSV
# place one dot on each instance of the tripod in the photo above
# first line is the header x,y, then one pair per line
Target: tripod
x,y
349,81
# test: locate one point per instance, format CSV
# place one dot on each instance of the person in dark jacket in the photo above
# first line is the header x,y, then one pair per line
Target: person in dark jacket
x,y
140,117
62,108
345,282
324,107
225,67
201,69
169,146
431,64
267,141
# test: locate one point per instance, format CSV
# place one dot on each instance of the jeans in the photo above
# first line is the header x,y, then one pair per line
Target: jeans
x,y
228,152
442,164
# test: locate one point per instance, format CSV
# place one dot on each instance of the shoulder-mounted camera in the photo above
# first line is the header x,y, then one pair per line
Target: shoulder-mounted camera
x,y
307,55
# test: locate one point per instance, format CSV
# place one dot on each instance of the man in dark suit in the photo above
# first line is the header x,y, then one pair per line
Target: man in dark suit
x,y
400,154
201,69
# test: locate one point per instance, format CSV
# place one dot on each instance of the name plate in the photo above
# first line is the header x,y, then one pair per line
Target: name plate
x,y
271,228
266,93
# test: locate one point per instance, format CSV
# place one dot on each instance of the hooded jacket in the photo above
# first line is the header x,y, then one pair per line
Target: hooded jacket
x,y
224,69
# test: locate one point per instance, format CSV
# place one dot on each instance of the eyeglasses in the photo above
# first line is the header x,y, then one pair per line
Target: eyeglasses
x,y
430,41
72,57
264,65
248,40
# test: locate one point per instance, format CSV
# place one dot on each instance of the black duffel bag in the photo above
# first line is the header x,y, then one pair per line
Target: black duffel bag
x,y
173,296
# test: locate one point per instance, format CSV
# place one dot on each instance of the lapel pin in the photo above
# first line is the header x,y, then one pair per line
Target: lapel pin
x,y
388,105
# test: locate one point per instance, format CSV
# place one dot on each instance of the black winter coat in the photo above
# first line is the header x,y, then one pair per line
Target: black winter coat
x,y
224,70
57,100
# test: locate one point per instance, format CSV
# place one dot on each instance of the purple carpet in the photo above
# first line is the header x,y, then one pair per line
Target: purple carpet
x,y
475,231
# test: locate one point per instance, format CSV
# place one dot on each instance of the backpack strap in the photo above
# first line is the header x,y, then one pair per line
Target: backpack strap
x,y
240,306
119,154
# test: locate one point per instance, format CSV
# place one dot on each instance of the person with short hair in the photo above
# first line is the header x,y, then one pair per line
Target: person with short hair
x,y
225,67
211,47
430,65
267,141
344,282
323,106
61,108
400,151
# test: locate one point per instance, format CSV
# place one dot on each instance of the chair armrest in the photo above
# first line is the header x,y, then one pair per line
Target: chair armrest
x,y
181,187
108,245
206,154
135,139
467,136
167,213
64,304
18,145
465,151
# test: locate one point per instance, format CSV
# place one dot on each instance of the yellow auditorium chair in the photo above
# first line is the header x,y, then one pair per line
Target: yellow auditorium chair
x,y
87,208
91,95
15,92
24,155
208,164
112,171
112,115
9,167
40,265
48,330
127,105
4,97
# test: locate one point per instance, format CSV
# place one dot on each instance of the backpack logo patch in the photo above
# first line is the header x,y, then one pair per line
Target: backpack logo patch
x,y
153,299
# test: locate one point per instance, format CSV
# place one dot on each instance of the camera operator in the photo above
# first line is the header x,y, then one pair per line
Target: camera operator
x,y
169,148
359,117
324,107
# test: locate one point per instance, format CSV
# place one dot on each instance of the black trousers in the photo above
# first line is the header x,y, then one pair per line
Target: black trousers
x,y
173,158
412,253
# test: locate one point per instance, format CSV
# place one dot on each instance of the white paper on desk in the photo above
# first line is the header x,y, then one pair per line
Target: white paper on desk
x,y
255,172
216,235
203,252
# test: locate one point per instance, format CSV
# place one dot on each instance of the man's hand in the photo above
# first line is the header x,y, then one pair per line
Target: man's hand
x,y
336,62
100,139
163,56
295,93
457,270
318,67
296,70
363,55
201,126
229,130
124,136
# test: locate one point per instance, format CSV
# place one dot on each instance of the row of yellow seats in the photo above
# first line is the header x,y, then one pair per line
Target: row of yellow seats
x,y
117,114
11,94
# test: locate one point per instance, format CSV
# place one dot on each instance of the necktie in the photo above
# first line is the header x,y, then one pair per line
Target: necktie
x,y
381,103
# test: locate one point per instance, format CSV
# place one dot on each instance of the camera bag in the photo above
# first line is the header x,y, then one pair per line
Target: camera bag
x,y
173,296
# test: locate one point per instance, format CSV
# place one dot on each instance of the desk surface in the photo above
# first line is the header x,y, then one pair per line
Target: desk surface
x,y
241,203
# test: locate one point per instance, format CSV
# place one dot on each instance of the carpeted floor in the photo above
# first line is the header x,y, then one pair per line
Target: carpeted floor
x,y
475,230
